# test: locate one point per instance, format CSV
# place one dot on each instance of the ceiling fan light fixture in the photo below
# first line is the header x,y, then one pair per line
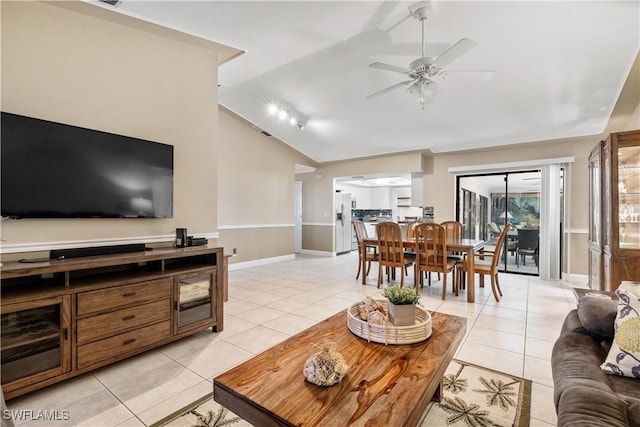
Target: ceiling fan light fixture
x,y
424,91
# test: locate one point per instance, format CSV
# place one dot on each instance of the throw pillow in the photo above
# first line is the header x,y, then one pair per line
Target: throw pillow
x,y
597,317
624,356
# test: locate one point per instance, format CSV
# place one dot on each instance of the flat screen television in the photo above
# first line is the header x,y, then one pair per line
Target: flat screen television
x,y
54,170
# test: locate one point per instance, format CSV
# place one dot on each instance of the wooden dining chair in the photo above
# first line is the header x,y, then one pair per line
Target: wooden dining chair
x,y
370,253
453,231
431,255
486,264
411,229
391,251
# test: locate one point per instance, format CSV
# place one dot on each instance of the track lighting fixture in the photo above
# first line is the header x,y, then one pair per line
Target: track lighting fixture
x,y
285,112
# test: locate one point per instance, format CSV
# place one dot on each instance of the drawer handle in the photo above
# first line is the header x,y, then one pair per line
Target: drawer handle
x,y
131,317
131,341
129,294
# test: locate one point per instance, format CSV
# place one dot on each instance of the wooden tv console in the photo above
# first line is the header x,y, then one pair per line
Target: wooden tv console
x,y
63,318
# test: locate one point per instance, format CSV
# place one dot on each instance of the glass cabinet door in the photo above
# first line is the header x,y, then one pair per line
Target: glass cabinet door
x,y
35,340
195,305
606,195
629,197
595,208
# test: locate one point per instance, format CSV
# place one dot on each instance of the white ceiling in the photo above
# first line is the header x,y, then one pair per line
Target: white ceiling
x,y
559,69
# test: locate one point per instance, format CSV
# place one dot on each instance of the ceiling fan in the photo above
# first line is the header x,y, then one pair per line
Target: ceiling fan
x,y
424,71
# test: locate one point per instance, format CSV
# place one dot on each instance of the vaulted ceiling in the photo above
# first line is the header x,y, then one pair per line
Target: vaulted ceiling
x,y
559,68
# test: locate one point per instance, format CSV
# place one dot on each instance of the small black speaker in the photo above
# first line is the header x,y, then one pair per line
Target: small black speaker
x,y
181,237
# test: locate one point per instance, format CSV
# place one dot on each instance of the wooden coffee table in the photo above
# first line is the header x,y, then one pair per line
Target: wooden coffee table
x,y
387,385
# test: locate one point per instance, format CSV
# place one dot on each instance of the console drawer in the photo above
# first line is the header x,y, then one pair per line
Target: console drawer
x,y
114,347
107,299
104,325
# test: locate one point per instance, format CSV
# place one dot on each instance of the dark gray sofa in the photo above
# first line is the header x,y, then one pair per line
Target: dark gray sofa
x,y
584,394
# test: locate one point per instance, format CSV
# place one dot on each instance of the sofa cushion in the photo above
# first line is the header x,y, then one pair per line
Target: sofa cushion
x,y
581,406
597,316
624,357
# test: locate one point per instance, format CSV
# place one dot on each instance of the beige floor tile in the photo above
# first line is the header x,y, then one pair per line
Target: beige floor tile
x,y
94,410
121,371
237,306
546,333
500,324
538,348
234,325
58,396
493,358
290,324
214,359
261,314
131,422
176,402
288,305
317,312
497,339
538,370
505,313
542,408
258,339
146,390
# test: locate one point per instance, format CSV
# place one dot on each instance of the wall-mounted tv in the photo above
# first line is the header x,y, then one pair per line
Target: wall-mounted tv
x,y
54,170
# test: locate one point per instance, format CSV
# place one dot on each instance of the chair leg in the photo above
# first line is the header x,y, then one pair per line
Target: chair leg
x,y
368,268
379,274
494,287
454,285
444,287
401,276
498,285
359,268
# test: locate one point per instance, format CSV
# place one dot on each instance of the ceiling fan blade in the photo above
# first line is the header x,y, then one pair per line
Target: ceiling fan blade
x,y
389,89
389,67
479,75
462,46
406,16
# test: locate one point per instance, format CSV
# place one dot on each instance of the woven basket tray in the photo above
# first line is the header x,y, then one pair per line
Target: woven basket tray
x,y
390,334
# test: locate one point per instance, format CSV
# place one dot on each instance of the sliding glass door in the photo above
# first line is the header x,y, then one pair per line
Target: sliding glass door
x,y
488,202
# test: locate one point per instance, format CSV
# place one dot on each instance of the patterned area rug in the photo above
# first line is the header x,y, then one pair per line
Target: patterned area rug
x,y
472,396
477,396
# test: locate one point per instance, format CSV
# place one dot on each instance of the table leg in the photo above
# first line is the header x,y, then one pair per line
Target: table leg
x,y
471,277
363,250
437,395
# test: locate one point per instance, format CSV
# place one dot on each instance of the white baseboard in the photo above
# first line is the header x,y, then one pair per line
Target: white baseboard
x,y
318,253
259,262
577,278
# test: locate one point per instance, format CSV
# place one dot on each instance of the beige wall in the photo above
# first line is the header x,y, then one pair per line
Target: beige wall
x,y
256,178
69,66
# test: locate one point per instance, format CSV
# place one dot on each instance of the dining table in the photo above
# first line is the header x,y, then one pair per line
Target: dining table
x,y
468,246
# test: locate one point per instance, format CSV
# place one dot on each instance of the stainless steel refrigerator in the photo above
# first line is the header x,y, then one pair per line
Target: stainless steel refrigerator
x,y
343,222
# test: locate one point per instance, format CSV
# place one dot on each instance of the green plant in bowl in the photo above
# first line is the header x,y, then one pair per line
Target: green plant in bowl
x,y
401,296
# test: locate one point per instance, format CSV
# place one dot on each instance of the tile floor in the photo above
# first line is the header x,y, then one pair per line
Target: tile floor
x,y
267,304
